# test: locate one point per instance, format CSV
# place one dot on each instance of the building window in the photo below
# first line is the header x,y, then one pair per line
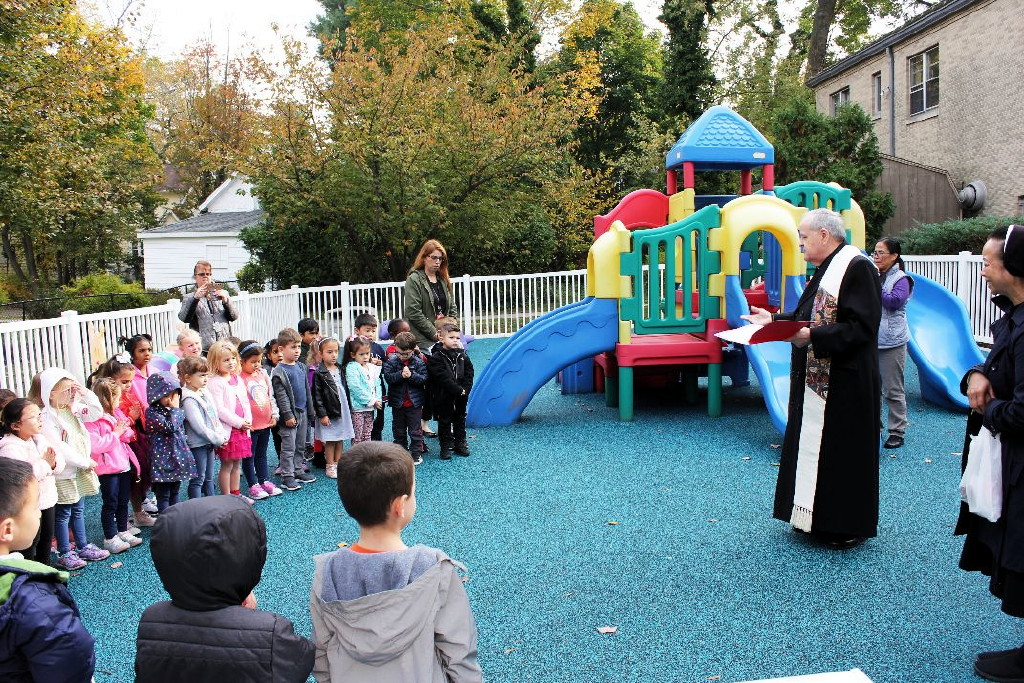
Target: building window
x,y
876,93
1020,205
924,80
840,98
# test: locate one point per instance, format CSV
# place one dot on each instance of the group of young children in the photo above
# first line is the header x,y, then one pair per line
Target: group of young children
x,y
137,429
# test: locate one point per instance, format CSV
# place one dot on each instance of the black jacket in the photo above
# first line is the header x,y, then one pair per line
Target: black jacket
x,y
209,553
1002,541
324,393
450,373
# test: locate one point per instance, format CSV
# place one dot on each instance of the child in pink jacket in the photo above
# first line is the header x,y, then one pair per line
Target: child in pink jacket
x,y
110,436
232,404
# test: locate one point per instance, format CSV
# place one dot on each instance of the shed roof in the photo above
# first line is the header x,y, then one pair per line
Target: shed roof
x,y
720,140
231,222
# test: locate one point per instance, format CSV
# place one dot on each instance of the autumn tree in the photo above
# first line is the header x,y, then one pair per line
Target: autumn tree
x,y
204,116
441,138
75,165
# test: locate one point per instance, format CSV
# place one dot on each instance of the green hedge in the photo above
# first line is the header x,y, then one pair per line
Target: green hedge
x,y
951,237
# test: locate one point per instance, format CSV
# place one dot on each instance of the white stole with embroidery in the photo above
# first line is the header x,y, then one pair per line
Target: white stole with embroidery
x,y
816,391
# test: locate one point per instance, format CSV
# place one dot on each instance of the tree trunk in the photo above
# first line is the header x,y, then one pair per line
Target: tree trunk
x,y
824,16
12,258
30,262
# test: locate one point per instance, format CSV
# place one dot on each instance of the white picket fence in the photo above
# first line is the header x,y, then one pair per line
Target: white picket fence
x,y
489,306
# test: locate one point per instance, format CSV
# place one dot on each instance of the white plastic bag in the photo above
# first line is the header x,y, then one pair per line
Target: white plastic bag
x,y
981,487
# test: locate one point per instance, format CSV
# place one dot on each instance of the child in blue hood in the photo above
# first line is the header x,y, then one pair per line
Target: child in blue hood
x,y
169,456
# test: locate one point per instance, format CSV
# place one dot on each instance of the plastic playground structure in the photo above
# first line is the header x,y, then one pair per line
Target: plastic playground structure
x,y
669,270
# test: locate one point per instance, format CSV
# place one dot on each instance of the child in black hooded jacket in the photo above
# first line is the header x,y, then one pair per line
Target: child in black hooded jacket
x,y
209,553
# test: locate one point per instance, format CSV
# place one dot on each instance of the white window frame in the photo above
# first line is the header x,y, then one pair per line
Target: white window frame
x,y
839,98
928,73
876,94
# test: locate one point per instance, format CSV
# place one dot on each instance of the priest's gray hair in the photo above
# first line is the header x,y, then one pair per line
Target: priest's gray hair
x,y
829,220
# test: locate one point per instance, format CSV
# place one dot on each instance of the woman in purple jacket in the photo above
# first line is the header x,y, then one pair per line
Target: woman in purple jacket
x,y
893,334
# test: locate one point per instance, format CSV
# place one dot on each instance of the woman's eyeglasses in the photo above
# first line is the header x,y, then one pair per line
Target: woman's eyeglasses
x,y
880,253
439,259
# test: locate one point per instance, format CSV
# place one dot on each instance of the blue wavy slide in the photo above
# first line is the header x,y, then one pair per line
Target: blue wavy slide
x,y
770,360
535,354
941,342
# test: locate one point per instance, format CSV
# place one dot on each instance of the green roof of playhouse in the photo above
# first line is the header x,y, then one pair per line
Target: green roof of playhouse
x,y
720,140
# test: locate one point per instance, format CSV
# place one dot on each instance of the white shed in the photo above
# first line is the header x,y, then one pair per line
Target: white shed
x,y
170,251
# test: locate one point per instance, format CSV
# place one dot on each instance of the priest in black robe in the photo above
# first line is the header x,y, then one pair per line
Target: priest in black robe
x,y
828,474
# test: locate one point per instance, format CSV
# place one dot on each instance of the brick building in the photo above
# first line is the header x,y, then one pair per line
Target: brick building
x,y
964,120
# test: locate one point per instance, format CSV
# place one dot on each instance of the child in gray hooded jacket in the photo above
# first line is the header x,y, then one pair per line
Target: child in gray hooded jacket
x,y
383,611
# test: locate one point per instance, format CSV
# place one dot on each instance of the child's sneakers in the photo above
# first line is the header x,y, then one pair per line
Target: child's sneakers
x,y
144,519
149,505
305,478
116,544
461,448
247,499
271,489
277,471
256,492
289,484
91,553
332,470
133,530
70,561
416,460
129,539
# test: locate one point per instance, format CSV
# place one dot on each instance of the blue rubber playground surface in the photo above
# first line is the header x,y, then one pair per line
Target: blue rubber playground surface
x,y
570,520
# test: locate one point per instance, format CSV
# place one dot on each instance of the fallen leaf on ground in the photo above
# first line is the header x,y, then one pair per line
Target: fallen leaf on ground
x,y
607,629
117,565
892,455
714,678
343,545
510,650
611,523
775,464
927,460
746,457
712,520
776,445
957,454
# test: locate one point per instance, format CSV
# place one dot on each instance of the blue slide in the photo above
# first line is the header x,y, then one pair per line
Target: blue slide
x,y
769,360
535,354
941,342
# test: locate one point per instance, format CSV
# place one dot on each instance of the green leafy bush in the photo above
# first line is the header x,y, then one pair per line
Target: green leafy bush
x,y
951,237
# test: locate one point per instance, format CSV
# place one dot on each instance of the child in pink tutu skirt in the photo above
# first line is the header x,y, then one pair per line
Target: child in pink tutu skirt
x,y
232,403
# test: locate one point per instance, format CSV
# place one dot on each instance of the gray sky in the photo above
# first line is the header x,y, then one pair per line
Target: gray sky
x,y
165,27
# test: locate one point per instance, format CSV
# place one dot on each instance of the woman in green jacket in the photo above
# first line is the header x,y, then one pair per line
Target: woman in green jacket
x,y
428,296
428,293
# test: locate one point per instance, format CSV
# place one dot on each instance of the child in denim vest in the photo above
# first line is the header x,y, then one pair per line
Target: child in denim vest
x,y
204,432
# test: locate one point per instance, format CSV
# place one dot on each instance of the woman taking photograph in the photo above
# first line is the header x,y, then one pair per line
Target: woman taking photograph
x,y
208,310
